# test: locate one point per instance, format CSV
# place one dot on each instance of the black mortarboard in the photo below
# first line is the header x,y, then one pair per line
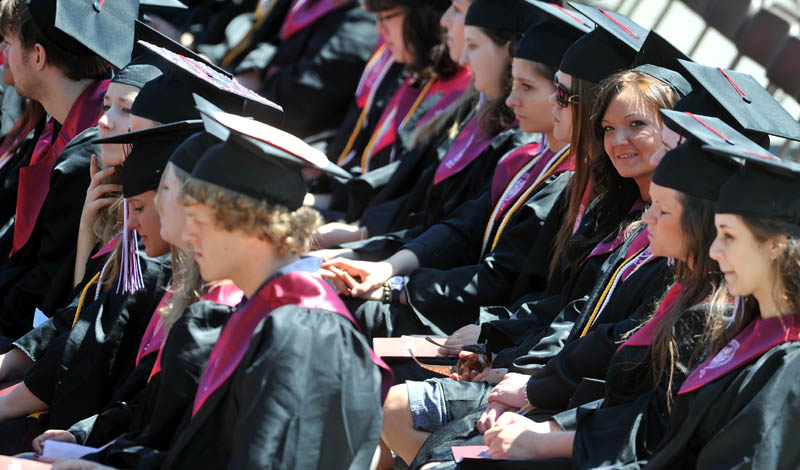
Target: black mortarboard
x,y
611,47
137,73
691,169
745,99
659,59
145,33
514,16
191,150
149,153
548,40
146,4
186,76
766,188
102,27
258,160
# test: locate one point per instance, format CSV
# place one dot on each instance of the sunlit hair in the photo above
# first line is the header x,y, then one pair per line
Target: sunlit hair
x,y
187,285
289,232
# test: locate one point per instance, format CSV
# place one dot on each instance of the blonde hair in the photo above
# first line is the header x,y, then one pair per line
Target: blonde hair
x,y
187,285
290,232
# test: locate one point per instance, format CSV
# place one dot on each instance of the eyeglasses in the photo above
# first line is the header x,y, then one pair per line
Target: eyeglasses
x,y
382,19
563,98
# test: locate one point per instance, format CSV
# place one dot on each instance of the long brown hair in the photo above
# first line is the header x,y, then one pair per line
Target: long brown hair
x,y
700,280
583,145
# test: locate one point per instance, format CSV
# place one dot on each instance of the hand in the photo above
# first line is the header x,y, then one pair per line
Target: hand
x,y
52,435
79,465
333,253
95,200
364,278
465,335
516,437
488,417
492,376
511,391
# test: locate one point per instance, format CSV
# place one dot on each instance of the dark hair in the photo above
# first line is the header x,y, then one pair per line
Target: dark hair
x,y
698,285
15,17
583,146
423,36
495,116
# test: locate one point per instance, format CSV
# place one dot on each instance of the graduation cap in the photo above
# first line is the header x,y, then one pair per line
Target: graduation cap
x,y
690,168
191,150
137,73
548,40
149,153
514,16
158,4
611,47
659,59
144,33
169,97
750,104
766,188
258,160
102,27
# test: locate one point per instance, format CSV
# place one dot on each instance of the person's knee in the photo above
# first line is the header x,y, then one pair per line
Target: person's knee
x,y
396,406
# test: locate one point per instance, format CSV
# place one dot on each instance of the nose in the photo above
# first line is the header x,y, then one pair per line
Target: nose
x,y
649,217
464,59
513,100
445,20
715,250
104,121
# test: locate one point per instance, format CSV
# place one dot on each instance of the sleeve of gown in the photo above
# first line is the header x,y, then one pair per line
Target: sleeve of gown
x,y
490,281
339,48
758,427
59,225
310,396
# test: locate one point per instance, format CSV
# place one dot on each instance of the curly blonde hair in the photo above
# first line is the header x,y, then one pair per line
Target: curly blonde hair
x,y
290,232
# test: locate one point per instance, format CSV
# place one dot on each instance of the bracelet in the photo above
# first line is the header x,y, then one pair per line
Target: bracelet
x,y
387,293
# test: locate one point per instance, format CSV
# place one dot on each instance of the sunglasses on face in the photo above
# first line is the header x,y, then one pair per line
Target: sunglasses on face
x,y
563,98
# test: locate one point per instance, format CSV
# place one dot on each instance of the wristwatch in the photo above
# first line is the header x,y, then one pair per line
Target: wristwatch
x,y
392,289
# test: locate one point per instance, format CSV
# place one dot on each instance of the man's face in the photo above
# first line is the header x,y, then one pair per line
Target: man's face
x,y
19,61
218,252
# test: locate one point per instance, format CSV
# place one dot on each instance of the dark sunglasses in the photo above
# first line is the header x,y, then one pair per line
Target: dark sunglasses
x,y
563,98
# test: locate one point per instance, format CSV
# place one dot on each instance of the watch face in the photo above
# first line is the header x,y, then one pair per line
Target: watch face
x,y
396,283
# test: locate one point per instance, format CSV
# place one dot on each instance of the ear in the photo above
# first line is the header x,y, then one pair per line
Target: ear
x,y
777,242
38,57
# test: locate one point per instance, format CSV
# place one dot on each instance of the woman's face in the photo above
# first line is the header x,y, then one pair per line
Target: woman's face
x,y
562,117
663,220
530,94
631,134
670,139
115,120
170,213
745,262
453,22
486,60
389,24
143,217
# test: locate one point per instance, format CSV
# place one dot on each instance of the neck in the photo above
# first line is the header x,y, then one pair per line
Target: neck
x,y
254,275
644,186
58,98
555,144
769,303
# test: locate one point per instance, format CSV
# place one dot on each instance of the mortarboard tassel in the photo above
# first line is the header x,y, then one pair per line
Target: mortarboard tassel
x,y
130,274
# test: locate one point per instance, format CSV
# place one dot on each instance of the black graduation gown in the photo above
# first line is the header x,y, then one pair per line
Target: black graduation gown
x,y
152,419
9,176
447,292
319,69
81,370
305,395
26,277
745,419
397,222
561,360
